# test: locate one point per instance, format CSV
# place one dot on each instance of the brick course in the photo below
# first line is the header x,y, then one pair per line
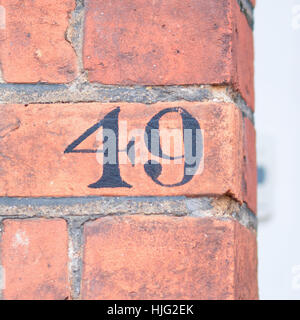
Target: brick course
x,y
43,169
168,258
169,42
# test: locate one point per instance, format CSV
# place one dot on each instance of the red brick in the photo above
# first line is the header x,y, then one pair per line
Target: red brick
x,y
35,137
245,264
33,47
250,171
242,56
34,255
160,257
167,42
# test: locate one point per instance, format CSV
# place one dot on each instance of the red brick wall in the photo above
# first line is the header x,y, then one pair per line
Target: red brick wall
x,y
76,227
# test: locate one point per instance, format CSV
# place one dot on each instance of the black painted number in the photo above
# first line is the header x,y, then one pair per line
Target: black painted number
x,y
111,177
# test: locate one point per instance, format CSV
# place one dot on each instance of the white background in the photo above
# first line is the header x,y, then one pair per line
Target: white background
x,y
277,64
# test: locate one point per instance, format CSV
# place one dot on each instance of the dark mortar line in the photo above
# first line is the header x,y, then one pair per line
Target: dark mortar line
x,y
248,10
236,216
19,86
84,92
26,217
244,215
75,253
90,217
76,22
53,201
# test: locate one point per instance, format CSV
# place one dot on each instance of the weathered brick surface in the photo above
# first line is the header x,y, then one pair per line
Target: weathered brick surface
x,y
33,47
245,264
250,172
35,137
34,255
242,55
168,258
169,42
202,246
